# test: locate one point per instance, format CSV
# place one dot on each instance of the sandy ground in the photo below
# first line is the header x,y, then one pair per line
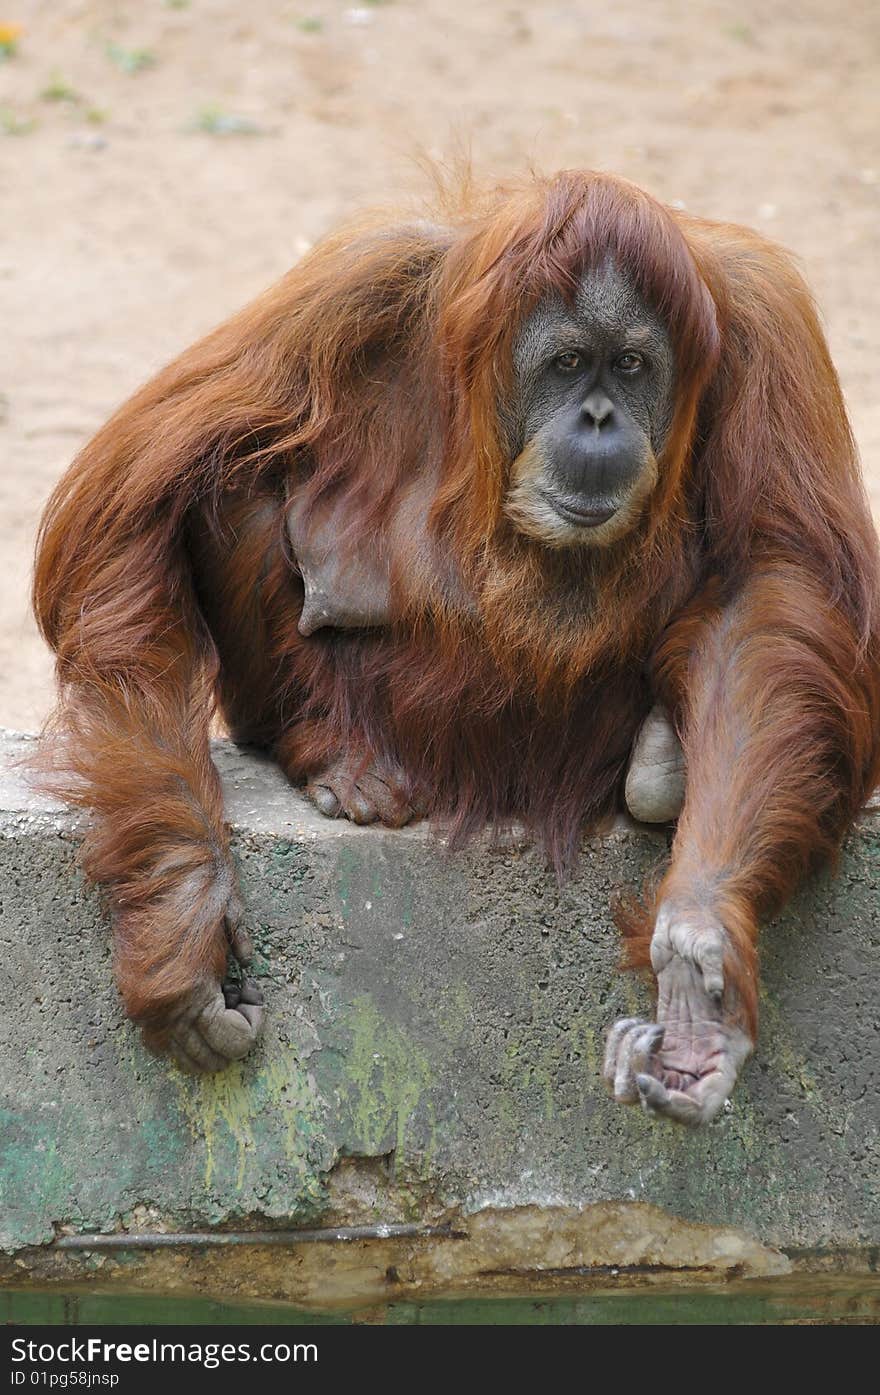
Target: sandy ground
x,y
162,160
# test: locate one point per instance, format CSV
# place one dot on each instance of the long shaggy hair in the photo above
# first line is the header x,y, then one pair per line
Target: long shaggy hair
x,y
514,677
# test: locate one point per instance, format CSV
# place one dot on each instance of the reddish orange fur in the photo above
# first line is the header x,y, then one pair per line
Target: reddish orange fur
x,y
747,595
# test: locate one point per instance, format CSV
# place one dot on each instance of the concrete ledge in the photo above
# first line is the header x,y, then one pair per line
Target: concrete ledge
x,y
430,1063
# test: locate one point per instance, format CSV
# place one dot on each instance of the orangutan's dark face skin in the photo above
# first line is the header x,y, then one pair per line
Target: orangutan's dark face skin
x,y
594,388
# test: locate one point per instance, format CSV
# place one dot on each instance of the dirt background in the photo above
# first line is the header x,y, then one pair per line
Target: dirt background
x,y
163,160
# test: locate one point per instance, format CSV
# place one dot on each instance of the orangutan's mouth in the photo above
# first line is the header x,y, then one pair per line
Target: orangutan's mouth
x,y
581,515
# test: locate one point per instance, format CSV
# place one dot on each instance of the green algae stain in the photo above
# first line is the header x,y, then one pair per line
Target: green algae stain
x,y
222,1100
377,883
241,1115
28,1160
407,905
387,1080
162,1142
539,1064
294,1107
31,1163
588,1044
346,868
792,1064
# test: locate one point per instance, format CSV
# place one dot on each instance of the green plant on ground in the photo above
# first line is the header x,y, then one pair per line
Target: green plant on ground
x,y
214,121
13,125
131,60
58,89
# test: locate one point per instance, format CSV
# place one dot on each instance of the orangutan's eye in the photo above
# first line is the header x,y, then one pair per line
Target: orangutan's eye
x,y
567,363
629,364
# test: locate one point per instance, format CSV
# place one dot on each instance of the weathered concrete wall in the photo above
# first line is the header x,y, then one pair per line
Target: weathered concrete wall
x,y
434,1035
